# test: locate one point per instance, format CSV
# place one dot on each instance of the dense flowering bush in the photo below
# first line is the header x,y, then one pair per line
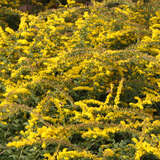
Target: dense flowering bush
x,y
80,82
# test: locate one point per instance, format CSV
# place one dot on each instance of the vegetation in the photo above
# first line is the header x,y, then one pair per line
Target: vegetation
x,y
80,82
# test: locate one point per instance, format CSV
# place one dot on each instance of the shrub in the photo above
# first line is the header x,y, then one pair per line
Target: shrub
x,y
76,82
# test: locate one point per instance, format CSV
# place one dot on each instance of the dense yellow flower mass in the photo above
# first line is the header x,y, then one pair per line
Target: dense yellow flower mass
x,y
81,82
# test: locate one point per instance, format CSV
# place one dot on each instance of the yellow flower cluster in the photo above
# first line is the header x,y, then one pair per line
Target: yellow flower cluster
x,y
81,79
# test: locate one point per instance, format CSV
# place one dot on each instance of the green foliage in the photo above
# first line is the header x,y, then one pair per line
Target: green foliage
x,y
10,18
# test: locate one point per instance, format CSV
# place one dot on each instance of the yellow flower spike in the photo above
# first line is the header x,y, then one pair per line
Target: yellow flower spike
x,y
139,104
44,145
70,2
109,95
83,88
22,42
49,156
119,90
134,140
86,15
23,25
3,35
9,30
92,101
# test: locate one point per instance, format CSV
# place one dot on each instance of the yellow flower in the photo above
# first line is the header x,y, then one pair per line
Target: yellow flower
x,y
70,1
44,145
9,30
83,88
108,153
86,15
117,98
22,41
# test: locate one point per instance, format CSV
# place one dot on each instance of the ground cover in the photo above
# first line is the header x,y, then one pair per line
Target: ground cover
x,y
80,82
